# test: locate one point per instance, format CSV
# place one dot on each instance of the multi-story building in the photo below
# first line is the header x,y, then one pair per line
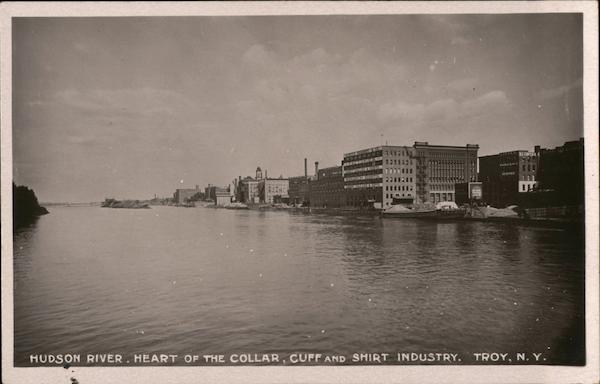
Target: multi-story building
x,y
298,190
507,174
440,167
373,177
182,195
211,192
248,188
562,170
270,190
327,188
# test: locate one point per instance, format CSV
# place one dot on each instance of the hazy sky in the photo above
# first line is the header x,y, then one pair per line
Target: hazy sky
x,y
130,107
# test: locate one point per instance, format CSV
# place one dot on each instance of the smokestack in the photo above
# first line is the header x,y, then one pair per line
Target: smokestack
x,y
265,173
305,167
317,169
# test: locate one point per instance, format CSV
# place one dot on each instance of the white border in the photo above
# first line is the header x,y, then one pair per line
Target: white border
x,y
355,374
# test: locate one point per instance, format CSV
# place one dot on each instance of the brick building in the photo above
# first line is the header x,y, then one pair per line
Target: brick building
x,y
505,175
362,172
327,188
374,177
298,188
182,195
562,170
270,190
210,192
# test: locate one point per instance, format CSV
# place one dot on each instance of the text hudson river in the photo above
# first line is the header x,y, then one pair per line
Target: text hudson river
x,y
227,284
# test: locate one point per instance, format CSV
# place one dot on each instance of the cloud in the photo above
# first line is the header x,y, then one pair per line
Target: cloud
x,y
442,109
485,103
559,91
143,102
311,80
258,56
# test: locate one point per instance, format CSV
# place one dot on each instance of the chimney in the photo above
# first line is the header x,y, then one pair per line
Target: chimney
x,y
305,168
317,169
265,173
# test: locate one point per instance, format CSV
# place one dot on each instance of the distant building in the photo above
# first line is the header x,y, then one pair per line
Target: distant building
x,y
222,197
470,192
327,188
249,191
271,190
373,177
211,192
181,196
298,191
562,170
248,188
505,175
440,167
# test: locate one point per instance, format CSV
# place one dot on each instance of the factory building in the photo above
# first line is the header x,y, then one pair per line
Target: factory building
x,y
505,175
440,167
327,188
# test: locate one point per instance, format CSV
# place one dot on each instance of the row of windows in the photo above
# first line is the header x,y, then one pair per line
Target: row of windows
x,y
527,187
362,186
437,197
530,167
363,172
363,177
369,163
451,155
398,170
398,179
398,188
391,196
362,156
398,153
451,178
441,187
398,162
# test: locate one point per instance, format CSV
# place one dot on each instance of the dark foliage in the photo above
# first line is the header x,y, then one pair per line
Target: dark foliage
x,y
25,206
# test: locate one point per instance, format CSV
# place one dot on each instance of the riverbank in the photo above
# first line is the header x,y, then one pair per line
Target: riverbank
x,y
26,208
128,204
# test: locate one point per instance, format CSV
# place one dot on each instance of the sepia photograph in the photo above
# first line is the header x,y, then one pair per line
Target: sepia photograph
x,y
385,189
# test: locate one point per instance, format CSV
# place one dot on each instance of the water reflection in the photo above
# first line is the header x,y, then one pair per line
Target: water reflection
x,y
182,280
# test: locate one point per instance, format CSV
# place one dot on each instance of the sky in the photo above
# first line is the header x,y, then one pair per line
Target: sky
x,y
133,107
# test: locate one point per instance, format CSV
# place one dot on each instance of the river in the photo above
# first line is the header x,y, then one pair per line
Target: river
x,y
199,280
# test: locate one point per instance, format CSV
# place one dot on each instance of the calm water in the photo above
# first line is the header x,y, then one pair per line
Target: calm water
x,y
176,280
